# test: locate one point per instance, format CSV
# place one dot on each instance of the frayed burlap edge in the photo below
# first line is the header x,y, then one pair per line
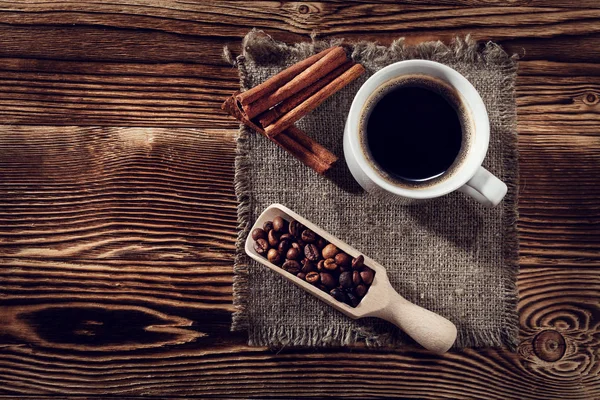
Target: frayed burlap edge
x,y
262,49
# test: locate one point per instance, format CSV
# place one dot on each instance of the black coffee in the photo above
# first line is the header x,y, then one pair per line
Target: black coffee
x,y
414,131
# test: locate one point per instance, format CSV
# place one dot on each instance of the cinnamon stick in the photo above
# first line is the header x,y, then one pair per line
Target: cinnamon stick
x,y
321,152
310,75
270,85
300,152
314,101
288,104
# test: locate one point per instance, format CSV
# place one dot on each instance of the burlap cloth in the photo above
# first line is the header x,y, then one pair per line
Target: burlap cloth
x,y
450,255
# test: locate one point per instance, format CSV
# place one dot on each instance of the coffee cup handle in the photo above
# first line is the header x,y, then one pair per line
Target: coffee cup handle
x,y
485,188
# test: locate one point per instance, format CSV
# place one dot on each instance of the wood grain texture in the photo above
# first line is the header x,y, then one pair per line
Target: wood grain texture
x,y
117,208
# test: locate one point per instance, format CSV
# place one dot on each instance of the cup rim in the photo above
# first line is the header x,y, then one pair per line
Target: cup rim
x,y
471,99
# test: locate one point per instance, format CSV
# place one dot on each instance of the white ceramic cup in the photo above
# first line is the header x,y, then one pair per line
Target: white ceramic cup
x,y
468,177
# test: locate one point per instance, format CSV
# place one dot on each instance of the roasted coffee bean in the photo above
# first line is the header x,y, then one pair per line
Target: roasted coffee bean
x,y
301,243
296,246
313,277
267,226
346,279
328,280
358,262
353,300
259,233
292,253
321,243
360,290
367,275
311,252
295,228
279,224
321,265
330,265
273,238
274,256
301,275
261,246
344,269
343,259
308,236
308,266
356,280
339,295
291,266
323,287
287,236
329,251
284,245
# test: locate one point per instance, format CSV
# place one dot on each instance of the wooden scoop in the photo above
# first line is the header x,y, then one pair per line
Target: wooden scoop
x,y
427,328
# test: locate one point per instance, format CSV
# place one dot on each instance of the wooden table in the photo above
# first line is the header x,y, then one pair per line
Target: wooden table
x,y
118,212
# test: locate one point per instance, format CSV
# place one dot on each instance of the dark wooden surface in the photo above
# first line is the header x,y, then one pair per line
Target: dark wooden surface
x,y
117,208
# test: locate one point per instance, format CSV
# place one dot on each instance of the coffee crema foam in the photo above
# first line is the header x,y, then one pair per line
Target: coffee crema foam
x,y
435,85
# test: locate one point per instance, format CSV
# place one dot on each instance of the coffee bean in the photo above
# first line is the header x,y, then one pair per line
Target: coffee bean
x,y
321,243
311,252
321,265
313,277
344,269
287,236
259,233
279,224
360,290
274,256
367,275
308,236
339,295
358,262
301,275
328,280
284,245
353,300
295,228
261,246
267,226
308,266
291,266
329,251
346,279
343,259
356,280
292,253
301,243
273,238
330,265
323,287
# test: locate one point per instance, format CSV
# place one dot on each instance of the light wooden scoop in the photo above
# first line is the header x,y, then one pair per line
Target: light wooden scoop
x,y
427,328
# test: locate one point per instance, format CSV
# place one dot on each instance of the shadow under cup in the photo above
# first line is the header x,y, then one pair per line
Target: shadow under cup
x,y
415,131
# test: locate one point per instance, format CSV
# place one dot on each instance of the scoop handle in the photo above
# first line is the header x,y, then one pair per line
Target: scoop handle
x,y
427,328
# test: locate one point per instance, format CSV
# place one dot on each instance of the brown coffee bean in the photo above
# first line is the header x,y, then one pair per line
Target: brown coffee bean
x,y
301,243
360,290
279,224
301,275
313,277
295,229
321,265
267,226
292,253
343,259
261,246
311,252
291,266
338,294
353,300
358,262
329,251
308,266
274,256
323,287
330,265
321,243
287,236
367,275
273,238
344,269
328,280
308,236
356,280
346,279
284,245
259,233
